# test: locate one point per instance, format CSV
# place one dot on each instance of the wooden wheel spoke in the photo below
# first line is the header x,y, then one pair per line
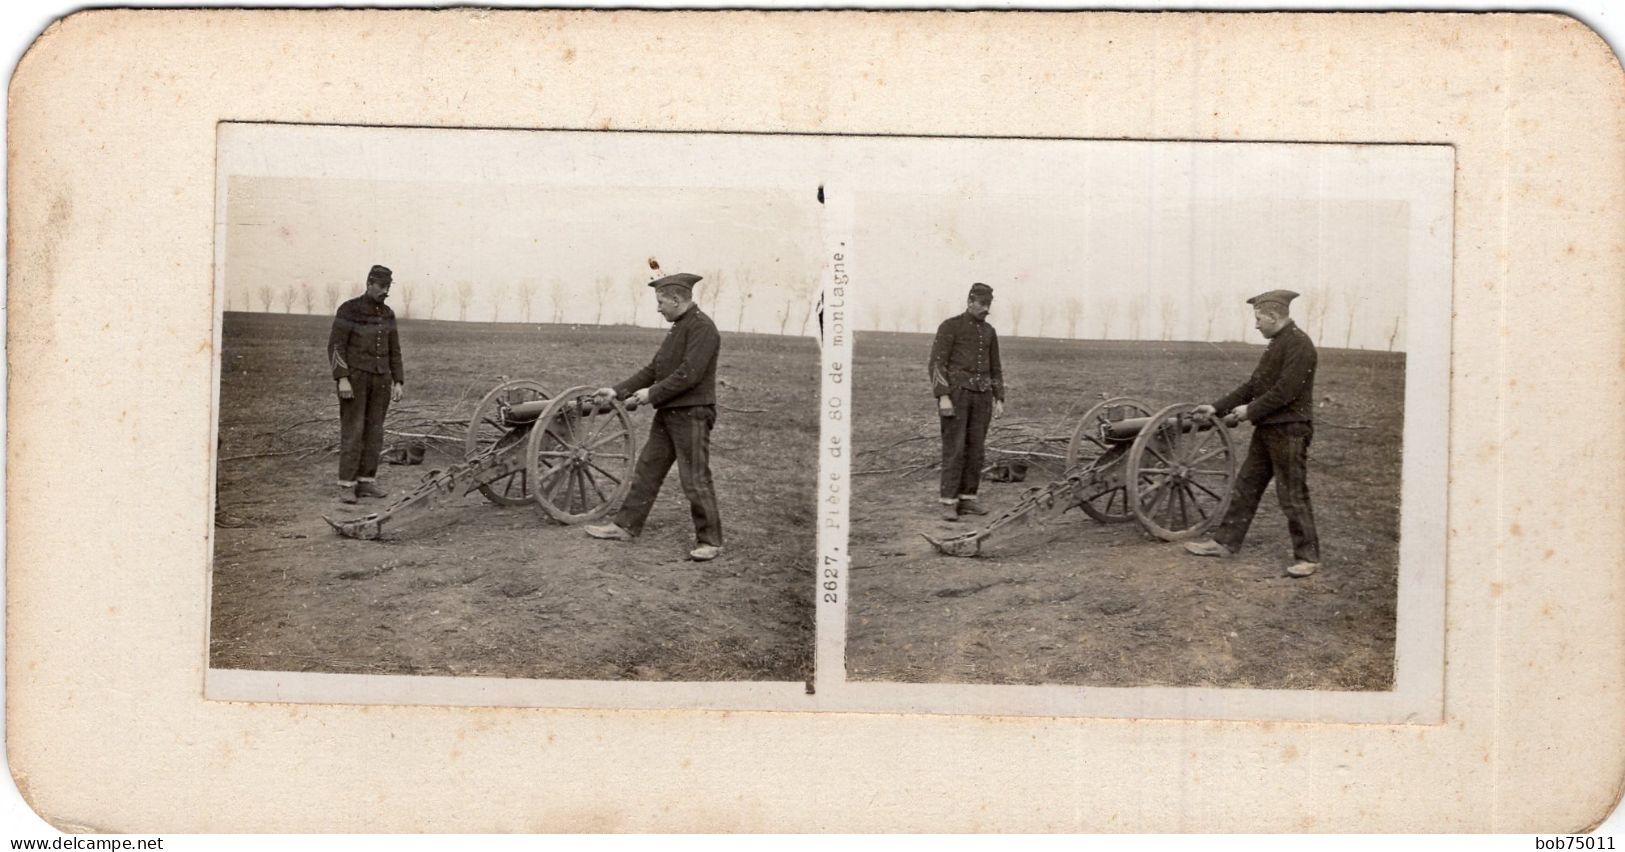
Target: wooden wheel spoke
x,y
1153,451
553,492
1162,471
621,456
612,477
1224,473
554,454
568,498
1176,437
580,486
1199,443
592,440
1195,501
1209,491
618,435
1158,501
587,473
1156,493
1216,451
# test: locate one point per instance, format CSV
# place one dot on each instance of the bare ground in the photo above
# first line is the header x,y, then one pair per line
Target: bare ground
x,y
503,591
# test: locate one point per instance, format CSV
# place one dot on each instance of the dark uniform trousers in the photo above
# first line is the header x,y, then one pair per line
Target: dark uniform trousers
x,y
1281,451
964,442
682,435
361,426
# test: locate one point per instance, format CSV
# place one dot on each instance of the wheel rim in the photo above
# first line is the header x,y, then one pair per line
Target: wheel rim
x,y
1179,477
580,460
485,430
1111,505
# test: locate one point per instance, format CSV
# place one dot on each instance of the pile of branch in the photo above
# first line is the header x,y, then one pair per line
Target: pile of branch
x,y
1040,445
318,434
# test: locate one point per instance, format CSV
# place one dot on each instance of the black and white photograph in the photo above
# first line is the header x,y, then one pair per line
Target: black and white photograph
x,y
1138,414
461,420
511,405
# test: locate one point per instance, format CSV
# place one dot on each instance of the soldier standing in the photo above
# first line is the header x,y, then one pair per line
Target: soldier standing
x,y
1279,400
364,351
681,384
968,382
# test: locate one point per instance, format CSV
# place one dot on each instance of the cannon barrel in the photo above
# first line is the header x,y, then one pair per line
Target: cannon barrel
x,y
527,412
1123,431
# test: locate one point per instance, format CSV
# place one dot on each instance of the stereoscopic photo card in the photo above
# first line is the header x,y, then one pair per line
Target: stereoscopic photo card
x,y
910,421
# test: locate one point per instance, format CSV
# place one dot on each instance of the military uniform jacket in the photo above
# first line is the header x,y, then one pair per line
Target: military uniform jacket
x,y
965,355
364,340
684,370
1282,388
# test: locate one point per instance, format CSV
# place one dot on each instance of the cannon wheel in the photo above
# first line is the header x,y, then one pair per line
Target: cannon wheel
x,y
485,430
580,457
1086,446
1179,478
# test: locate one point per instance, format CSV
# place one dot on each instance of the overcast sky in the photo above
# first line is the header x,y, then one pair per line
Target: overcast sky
x,y
1091,239
569,245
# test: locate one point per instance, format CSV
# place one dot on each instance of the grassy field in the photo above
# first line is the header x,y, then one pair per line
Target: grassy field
x,y
1078,602
503,591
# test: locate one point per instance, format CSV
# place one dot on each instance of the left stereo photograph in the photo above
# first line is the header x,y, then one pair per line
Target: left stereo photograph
x,y
513,418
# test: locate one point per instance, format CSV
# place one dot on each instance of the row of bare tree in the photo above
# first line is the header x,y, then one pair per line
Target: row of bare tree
x,y
729,297
1222,316
520,301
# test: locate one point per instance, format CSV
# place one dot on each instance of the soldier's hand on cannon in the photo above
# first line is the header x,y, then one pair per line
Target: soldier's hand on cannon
x,y
345,391
1203,413
641,397
396,391
998,408
603,395
945,406
1239,413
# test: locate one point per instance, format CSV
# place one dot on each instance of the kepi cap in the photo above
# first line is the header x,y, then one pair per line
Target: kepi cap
x,y
981,292
1280,297
380,275
681,279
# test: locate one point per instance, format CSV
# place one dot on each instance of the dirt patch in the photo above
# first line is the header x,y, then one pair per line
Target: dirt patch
x,y
481,589
1073,601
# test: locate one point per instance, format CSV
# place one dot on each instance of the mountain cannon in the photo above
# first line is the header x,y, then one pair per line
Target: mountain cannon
x,y
1171,471
572,454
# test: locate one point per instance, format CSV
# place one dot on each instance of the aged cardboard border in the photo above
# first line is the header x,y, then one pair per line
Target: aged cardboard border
x,y
110,191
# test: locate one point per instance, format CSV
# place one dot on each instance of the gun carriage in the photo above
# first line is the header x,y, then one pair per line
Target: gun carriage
x,y
1172,471
571,454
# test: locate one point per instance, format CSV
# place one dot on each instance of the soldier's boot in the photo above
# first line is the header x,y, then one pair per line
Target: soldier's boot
x,y
971,506
368,489
608,532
